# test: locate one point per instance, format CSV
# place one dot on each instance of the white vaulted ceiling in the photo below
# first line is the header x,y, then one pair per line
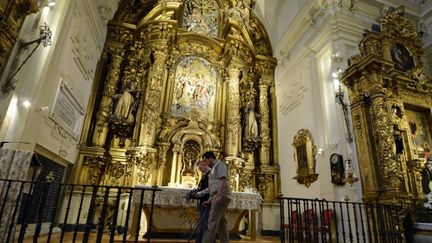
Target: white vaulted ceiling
x,y
276,16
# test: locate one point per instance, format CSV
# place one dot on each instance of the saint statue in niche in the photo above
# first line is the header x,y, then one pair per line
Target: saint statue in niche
x,y
126,101
251,124
241,11
123,107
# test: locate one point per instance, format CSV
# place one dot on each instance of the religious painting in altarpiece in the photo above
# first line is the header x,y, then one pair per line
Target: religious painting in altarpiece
x,y
419,123
201,16
194,87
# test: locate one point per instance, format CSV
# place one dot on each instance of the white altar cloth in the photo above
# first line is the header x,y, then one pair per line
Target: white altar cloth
x,y
177,197
173,213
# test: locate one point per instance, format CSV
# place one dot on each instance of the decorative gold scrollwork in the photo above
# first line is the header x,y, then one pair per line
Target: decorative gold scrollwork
x,y
304,156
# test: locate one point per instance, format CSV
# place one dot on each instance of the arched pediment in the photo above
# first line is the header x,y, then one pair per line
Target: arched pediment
x,y
188,44
184,40
191,131
165,11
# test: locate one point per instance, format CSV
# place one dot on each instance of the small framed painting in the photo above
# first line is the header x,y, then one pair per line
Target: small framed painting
x,y
304,157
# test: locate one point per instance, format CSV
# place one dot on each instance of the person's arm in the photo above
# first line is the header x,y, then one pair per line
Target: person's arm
x,y
202,193
221,186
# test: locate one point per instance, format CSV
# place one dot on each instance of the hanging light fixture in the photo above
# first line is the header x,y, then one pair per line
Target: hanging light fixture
x,y
35,167
350,175
45,35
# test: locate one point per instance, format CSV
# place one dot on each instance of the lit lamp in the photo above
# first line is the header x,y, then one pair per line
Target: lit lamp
x,y
350,176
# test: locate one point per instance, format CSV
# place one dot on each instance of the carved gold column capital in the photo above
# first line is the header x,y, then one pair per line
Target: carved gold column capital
x,y
265,67
143,160
118,33
95,166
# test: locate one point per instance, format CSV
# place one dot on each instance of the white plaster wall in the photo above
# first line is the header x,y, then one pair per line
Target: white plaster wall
x,y
306,99
78,33
294,90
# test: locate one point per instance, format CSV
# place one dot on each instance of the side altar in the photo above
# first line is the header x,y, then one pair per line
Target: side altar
x,y
174,215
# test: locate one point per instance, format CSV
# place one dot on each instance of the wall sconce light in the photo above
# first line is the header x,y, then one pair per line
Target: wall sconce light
x,y
340,99
336,57
26,103
45,35
35,167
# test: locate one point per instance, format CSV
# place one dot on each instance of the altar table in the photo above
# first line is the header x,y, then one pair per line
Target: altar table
x,y
174,215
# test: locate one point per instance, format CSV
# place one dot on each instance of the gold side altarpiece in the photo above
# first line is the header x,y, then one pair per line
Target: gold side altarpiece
x,y
391,103
178,78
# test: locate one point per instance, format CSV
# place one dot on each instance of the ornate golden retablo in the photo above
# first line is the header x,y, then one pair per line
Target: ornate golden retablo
x,y
391,102
176,79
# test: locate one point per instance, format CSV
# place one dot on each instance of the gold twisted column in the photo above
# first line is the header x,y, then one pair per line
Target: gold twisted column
x,y
233,128
152,103
264,109
105,107
391,172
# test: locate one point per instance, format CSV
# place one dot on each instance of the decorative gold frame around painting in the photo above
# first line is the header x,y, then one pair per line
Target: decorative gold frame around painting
x,y
304,156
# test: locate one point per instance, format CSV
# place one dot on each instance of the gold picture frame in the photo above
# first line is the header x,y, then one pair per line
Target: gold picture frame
x,y
304,157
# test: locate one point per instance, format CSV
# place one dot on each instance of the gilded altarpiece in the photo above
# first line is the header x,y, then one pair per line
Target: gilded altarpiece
x,y
176,79
391,103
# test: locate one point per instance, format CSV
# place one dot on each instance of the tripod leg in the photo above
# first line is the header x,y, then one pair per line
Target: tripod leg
x,y
195,229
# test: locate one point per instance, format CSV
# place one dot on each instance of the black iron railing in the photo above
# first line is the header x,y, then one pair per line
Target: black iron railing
x,y
313,220
83,213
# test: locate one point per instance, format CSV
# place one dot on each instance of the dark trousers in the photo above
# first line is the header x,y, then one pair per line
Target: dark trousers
x,y
202,223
